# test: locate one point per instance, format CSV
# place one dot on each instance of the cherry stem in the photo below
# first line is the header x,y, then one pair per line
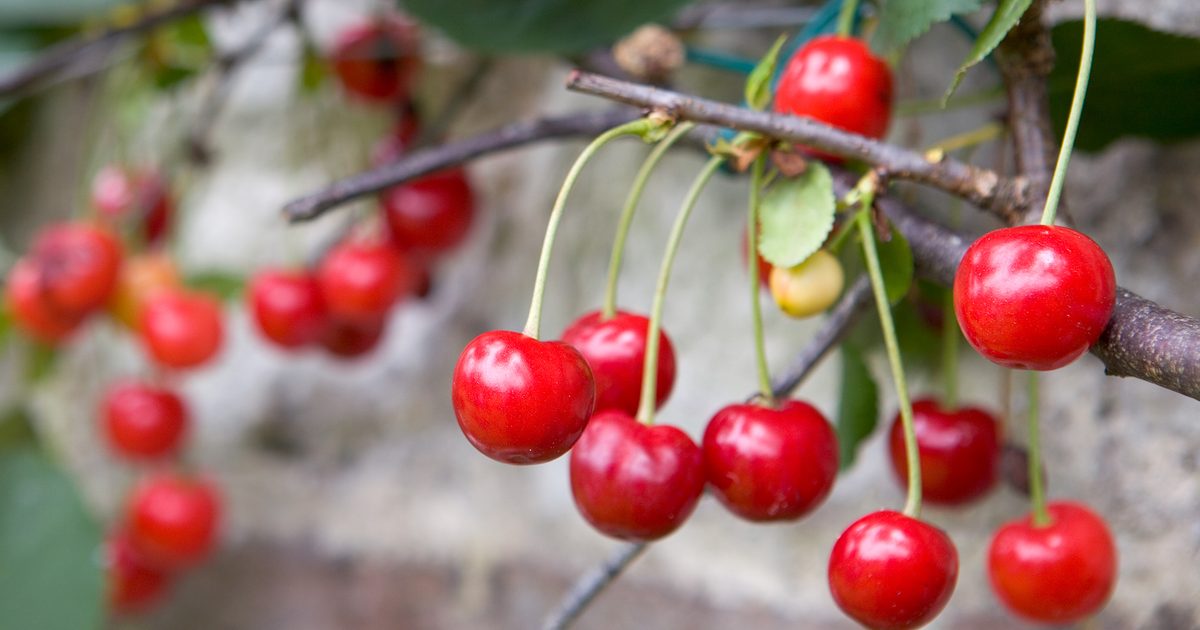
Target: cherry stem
x,y
631,203
949,353
912,506
760,349
967,139
648,402
1037,497
1081,83
845,23
639,126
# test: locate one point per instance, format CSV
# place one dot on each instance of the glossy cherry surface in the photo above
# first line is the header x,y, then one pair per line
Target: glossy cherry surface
x,y
360,281
432,214
142,421
1058,574
350,340
376,61
173,521
809,288
891,571
287,307
633,481
959,450
181,329
32,310
837,81
1034,297
141,277
615,349
520,400
133,583
78,265
770,464
137,196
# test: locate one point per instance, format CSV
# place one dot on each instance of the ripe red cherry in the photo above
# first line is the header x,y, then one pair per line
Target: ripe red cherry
x,y
133,583
615,350
837,81
173,520
350,340
891,571
376,61
288,307
1034,297
1057,574
123,194
32,310
519,400
770,464
431,214
360,281
78,265
180,329
143,422
634,481
959,450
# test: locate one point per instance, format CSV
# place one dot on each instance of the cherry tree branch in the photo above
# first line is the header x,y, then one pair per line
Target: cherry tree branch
x,y
591,585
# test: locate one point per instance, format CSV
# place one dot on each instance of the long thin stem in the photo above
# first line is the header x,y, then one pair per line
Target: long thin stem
x,y
912,507
968,139
533,324
631,203
760,349
845,23
1037,496
648,400
1081,83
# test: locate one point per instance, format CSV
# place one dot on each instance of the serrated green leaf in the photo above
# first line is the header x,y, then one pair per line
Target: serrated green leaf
x,y
796,216
225,286
901,21
858,405
758,84
1008,14
896,263
49,570
1144,83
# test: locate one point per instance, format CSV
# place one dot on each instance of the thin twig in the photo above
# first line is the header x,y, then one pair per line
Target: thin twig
x,y
591,585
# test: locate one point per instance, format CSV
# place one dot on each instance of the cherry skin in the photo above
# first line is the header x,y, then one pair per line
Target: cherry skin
x,y
173,520
32,311
615,350
288,307
1058,574
143,422
141,277
633,481
837,81
350,340
810,287
1034,297
770,464
181,329
959,451
79,264
133,583
432,214
891,571
142,197
360,281
376,61
520,400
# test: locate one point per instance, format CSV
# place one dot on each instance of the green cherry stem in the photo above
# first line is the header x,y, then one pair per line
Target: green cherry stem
x,y
1037,497
845,23
631,203
760,349
640,126
1081,84
912,506
645,413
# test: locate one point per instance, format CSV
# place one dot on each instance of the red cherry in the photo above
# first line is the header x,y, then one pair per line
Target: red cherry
x,y
360,281
769,464
615,350
837,81
634,481
891,571
520,400
959,450
121,194
133,583
32,310
288,307
78,265
179,329
173,520
431,214
376,61
1057,574
1034,297
350,340
143,422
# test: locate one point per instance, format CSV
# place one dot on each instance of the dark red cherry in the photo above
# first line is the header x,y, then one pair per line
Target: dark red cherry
x,y
141,197
31,308
173,521
959,450
432,214
376,61
350,340
142,421
133,584
836,80
890,571
78,265
520,400
1034,297
634,481
770,464
181,329
615,349
360,280
288,307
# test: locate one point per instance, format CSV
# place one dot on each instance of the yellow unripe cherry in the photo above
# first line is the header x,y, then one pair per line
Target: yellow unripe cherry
x,y
810,287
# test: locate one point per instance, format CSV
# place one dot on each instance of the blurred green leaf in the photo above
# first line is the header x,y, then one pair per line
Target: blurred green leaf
x,y
40,361
1008,13
177,52
796,216
226,286
16,428
896,263
758,84
858,405
314,71
901,21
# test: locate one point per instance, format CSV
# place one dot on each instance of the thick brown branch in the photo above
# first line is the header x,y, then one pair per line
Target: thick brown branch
x,y
1004,197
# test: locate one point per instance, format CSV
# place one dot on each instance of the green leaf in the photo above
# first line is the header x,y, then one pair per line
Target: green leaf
x,y
896,263
796,216
40,361
178,52
226,286
1144,83
314,71
901,21
49,571
758,84
562,26
858,405
1008,14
